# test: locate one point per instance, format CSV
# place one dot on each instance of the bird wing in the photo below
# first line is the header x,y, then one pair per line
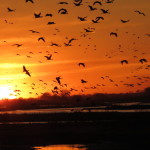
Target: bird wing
x,y
9,9
97,2
27,72
58,80
62,9
24,69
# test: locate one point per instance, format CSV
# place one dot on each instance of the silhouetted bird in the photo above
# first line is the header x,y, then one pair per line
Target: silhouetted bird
x,y
92,8
63,11
54,44
124,21
18,45
50,23
82,18
41,38
34,31
55,88
37,15
124,61
63,3
110,1
142,60
72,39
50,15
114,33
10,10
67,44
97,19
30,1
81,64
58,79
97,2
102,18
89,29
26,71
78,3
83,81
139,12
49,57
104,11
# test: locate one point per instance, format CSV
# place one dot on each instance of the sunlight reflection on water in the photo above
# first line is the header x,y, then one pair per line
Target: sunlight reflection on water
x,y
69,110
47,111
61,147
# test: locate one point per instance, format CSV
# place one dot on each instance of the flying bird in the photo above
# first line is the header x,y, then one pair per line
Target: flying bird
x,y
124,21
83,81
114,33
142,60
18,45
11,10
38,15
69,42
82,18
139,12
110,1
104,11
49,57
33,31
26,71
102,18
78,3
55,88
49,15
92,8
89,29
97,19
124,61
30,1
97,2
72,39
63,11
63,3
41,38
51,22
81,64
54,44
58,79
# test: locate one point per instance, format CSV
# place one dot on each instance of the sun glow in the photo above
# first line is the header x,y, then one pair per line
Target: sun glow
x,y
6,93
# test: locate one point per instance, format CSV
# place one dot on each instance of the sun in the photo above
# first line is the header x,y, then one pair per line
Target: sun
x,y
6,93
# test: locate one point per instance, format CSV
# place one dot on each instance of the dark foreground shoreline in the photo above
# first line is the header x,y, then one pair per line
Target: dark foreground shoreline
x,y
98,131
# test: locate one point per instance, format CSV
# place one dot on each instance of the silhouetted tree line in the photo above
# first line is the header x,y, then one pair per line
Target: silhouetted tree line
x,y
53,101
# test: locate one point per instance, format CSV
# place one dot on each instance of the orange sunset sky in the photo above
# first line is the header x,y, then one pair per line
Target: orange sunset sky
x,y
98,50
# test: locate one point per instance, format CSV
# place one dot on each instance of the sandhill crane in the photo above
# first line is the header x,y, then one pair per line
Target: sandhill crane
x,y
26,71
124,61
142,60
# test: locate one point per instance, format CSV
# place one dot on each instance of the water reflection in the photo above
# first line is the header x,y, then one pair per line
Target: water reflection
x,y
23,123
72,110
61,147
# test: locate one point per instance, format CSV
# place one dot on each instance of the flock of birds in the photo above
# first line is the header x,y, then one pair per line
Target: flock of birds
x,y
58,86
